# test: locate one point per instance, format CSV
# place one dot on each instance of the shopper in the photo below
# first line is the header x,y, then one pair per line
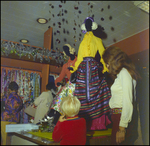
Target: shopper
x,y
123,76
70,129
11,113
43,103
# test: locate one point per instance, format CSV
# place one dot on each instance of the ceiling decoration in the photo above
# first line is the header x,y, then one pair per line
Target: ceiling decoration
x,y
117,20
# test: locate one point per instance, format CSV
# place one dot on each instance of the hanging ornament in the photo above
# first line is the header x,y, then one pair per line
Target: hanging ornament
x,y
102,19
63,20
74,29
65,11
64,31
110,18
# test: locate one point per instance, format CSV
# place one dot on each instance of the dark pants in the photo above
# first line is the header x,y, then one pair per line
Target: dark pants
x,y
55,114
131,131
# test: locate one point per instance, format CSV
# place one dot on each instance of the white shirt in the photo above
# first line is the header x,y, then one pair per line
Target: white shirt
x,y
122,94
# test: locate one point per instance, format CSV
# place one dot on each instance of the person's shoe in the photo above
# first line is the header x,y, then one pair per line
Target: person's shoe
x,y
49,117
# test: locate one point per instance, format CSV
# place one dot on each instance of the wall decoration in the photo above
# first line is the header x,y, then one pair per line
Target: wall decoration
x,y
9,48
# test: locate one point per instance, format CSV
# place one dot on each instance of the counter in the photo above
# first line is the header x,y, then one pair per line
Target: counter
x,y
25,138
35,138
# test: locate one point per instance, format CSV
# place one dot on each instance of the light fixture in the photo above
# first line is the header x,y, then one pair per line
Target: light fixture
x,y
42,20
24,41
143,5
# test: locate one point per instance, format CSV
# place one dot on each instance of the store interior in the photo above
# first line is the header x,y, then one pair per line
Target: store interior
x,y
40,55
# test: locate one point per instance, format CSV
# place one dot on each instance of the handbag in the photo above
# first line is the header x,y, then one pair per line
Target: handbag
x,y
73,77
30,110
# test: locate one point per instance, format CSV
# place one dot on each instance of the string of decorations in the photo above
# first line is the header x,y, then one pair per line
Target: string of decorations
x,y
21,50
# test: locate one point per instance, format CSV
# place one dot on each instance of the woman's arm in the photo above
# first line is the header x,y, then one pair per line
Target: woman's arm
x,y
127,107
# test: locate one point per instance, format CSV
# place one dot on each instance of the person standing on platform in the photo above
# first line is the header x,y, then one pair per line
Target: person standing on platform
x,y
123,77
11,113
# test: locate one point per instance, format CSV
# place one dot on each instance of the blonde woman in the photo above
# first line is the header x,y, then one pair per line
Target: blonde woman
x,y
123,77
70,129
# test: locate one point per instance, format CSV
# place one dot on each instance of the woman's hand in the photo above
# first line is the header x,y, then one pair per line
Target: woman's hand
x,y
62,118
120,135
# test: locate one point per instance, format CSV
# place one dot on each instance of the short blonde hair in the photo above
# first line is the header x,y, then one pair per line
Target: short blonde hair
x,y
70,106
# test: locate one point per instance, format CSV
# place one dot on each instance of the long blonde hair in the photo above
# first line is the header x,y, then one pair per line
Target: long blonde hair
x,y
117,59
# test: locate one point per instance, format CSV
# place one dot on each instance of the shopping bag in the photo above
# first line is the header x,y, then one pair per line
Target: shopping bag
x,y
30,110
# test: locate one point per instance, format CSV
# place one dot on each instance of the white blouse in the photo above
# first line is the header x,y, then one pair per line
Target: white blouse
x,y
122,94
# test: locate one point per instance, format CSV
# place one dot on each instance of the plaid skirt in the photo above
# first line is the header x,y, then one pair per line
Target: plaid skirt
x,y
92,89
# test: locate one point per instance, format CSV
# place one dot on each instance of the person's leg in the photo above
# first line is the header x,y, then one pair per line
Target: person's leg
x,y
56,117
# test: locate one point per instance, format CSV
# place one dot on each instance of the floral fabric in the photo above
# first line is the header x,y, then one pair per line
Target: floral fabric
x,y
13,104
66,90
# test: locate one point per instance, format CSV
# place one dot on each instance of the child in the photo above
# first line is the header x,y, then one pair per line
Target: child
x,y
70,129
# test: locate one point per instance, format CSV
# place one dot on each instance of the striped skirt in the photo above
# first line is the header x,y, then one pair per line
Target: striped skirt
x,y
92,89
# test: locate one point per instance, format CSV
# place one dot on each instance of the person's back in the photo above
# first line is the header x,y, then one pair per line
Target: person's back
x,y
70,129
43,103
71,132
